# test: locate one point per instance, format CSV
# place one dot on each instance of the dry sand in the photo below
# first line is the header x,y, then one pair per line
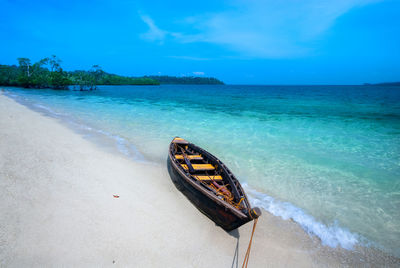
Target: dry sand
x,y
57,209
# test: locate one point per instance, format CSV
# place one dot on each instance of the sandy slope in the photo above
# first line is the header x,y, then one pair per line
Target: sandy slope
x,y
57,208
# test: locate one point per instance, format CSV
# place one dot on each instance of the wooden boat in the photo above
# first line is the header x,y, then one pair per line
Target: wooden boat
x,y
209,185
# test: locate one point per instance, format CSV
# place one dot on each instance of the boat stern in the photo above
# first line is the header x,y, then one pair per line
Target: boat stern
x,y
255,213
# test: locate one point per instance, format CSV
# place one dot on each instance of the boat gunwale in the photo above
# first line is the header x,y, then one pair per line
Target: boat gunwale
x,y
201,189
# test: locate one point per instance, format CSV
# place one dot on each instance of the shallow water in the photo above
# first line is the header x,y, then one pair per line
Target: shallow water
x,y
326,156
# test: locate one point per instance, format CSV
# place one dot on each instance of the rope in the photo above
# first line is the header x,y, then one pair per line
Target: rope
x,y
247,256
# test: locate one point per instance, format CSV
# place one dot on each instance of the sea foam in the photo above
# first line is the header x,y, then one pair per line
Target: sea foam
x,y
332,236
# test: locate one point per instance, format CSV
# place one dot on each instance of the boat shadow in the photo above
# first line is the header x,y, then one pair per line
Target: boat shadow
x,y
235,262
234,233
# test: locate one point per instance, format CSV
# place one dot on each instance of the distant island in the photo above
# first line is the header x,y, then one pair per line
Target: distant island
x,y
48,73
383,84
165,79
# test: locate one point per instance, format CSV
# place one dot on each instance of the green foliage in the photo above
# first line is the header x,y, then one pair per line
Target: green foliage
x,y
165,79
82,80
384,84
59,79
54,63
9,75
96,76
47,73
113,79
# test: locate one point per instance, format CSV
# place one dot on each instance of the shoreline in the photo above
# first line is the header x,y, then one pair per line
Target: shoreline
x,y
329,235
79,178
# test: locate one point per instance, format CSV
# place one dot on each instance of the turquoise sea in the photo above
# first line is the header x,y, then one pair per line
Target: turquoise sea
x,y
326,156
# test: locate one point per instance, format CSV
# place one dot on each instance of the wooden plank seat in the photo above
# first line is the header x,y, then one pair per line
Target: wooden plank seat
x,y
208,178
199,167
180,141
190,157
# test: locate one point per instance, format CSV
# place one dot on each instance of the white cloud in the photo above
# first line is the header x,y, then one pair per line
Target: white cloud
x,y
265,28
272,29
198,73
154,33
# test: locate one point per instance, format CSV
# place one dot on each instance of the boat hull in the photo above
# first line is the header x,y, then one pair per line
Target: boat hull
x,y
217,212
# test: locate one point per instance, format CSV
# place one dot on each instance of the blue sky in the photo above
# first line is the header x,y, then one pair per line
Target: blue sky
x,y
240,42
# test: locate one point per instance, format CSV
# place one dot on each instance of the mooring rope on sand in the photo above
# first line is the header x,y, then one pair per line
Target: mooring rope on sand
x,y
247,256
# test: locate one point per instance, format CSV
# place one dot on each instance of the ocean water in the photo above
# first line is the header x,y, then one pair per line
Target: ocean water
x,y
327,157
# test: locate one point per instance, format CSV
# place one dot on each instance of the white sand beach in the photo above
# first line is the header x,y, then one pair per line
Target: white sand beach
x,y
57,209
